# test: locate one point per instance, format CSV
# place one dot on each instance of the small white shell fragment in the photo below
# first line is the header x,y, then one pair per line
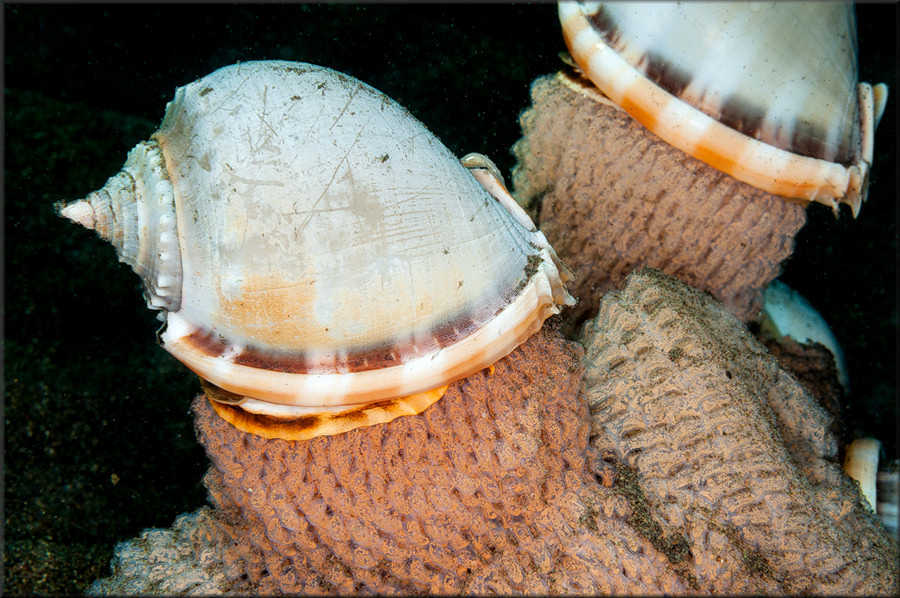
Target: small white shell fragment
x,y
314,247
787,313
861,464
767,93
887,490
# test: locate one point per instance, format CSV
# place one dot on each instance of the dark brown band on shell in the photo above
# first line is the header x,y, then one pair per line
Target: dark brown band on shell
x,y
373,358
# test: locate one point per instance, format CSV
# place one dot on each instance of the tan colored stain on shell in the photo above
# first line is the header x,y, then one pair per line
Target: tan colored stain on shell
x,y
268,300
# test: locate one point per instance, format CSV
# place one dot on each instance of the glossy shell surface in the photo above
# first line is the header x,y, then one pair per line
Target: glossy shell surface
x,y
313,246
787,313
766,92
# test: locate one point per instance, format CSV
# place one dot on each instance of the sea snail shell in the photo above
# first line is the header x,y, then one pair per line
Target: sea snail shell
x,y
315,250
767,93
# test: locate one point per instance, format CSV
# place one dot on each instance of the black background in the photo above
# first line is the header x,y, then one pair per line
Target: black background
x,y
98,439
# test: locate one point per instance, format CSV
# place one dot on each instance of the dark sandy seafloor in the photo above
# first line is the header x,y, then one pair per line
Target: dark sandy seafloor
x,y
99,442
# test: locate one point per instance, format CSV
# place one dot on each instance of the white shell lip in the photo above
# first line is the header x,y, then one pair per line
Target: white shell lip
x,y
686,127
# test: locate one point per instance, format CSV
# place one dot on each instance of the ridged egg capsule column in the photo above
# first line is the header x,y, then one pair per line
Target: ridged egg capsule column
x,y
691,136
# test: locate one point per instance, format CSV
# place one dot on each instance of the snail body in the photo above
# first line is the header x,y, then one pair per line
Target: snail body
x,y
313,249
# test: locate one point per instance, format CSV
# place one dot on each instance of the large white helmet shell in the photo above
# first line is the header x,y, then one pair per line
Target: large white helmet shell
x,y
314,246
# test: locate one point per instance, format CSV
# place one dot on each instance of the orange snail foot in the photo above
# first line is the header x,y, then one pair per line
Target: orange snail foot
x,y
325,423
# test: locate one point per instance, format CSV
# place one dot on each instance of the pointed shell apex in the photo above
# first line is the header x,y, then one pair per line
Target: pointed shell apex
x,y
79,212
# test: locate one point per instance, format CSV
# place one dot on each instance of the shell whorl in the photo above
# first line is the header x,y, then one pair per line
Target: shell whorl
x,y
335,254
135,211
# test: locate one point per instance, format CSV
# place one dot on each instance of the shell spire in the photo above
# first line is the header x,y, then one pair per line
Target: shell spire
x,y
135,212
